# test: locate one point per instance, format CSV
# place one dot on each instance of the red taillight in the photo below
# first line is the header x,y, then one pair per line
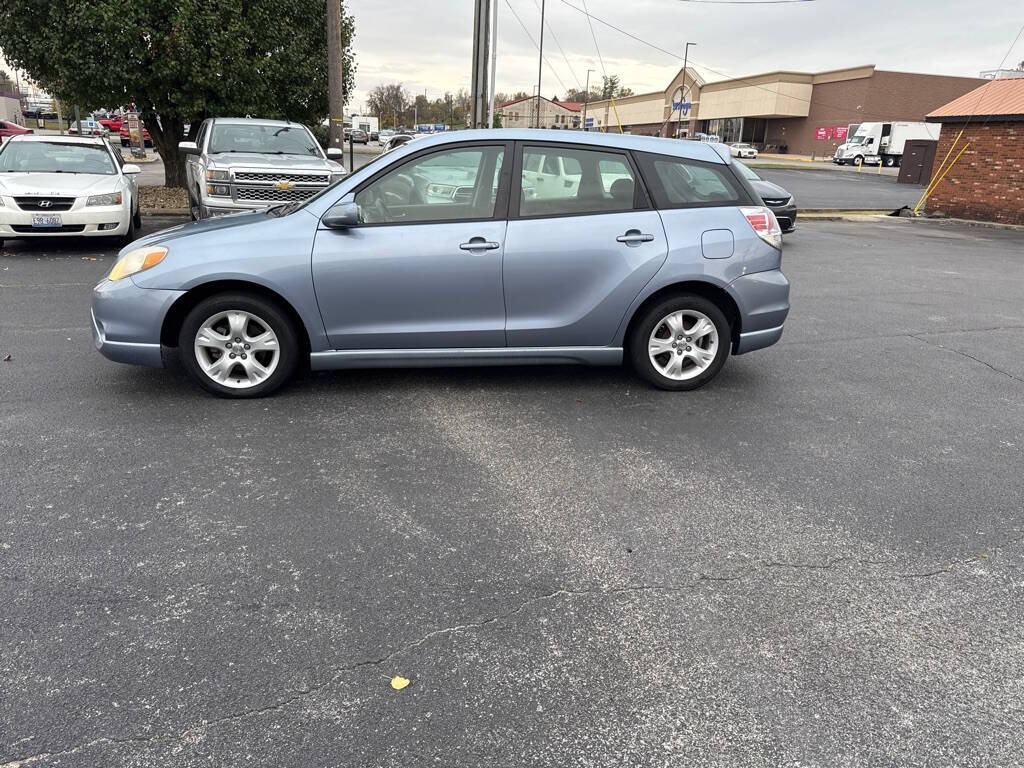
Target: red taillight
x,y
764,223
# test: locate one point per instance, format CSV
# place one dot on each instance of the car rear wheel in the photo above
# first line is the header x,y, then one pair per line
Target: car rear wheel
x,y
681,343
238,345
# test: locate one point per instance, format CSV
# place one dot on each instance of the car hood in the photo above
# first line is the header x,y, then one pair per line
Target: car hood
x,y
767,189
239,160
56,184
170,234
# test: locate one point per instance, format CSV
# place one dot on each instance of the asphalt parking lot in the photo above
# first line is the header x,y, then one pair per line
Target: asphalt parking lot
x,y
846,190
815,561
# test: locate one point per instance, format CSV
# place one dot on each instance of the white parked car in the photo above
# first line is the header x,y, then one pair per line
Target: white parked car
x,y
399,140
64,186
742,150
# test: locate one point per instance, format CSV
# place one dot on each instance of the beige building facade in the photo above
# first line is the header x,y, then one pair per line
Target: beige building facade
x,y
522,113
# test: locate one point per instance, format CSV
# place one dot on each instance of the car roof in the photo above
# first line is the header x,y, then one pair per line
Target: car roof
x,y
693,150
253,121
60,139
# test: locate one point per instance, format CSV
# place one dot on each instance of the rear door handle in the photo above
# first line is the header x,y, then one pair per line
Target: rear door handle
x,y
479,244
634,237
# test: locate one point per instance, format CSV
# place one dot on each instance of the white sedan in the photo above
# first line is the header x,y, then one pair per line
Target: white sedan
x,y
64,186
742,150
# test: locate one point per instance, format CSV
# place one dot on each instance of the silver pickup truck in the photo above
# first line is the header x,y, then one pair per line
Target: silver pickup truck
x,y
246,164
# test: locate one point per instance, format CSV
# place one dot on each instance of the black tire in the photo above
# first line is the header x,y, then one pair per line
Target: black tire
x,y
269,314
890,161
858,161
193,207
137,218
131,234
652,318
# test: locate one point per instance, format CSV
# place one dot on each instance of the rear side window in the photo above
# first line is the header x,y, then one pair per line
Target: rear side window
x,y
562,181
680,183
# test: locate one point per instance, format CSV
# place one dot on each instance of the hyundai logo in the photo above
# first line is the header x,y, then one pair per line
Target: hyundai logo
x,y
45,203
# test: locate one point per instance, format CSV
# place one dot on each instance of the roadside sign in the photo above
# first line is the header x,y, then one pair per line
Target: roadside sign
x,y
685,106
138,143
822,133
840,132
588,123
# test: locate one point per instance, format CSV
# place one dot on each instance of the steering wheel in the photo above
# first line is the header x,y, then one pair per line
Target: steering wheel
x,y
378,207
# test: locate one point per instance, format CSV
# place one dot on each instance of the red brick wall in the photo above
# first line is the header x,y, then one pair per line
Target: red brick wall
x,y
883,97
987,182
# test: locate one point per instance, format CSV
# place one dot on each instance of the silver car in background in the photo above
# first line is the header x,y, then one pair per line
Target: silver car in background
x,y
451,251
244,164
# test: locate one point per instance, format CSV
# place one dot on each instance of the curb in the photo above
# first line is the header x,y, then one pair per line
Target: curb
x,y
165,212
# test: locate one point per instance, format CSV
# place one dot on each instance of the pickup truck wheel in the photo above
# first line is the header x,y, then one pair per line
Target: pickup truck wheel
x,y
193,206
238,345
681,343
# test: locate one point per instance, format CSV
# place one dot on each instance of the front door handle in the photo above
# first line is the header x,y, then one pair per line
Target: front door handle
x,y
479,244
634,237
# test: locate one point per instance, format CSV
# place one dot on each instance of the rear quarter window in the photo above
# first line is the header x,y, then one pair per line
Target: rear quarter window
x,y
678,182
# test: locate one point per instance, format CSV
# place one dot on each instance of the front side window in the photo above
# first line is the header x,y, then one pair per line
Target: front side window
x,y
680,183
56,157
252,138
559,181
455,184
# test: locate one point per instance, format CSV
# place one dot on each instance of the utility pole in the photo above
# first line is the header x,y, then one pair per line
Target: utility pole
x,y
494,63
682,87
335,76
478,95
586,98
540,59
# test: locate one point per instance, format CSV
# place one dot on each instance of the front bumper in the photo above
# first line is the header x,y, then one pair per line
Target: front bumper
x,y
126,321
763,300
80,221
786,214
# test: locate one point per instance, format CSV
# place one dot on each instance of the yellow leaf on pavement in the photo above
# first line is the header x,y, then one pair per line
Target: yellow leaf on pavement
x,y
398,682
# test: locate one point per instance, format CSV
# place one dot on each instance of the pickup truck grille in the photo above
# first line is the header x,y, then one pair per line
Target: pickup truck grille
x,y
55,203
270,194
242,177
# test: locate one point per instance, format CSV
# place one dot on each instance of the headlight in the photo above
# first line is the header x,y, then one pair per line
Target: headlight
x,y
218,176
137,260
218,190
114,198
337,176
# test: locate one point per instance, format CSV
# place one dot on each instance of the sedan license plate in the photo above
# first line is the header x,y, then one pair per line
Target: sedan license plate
x,y
46,221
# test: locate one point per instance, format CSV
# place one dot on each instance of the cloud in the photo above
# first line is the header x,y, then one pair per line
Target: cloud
x,y
427,44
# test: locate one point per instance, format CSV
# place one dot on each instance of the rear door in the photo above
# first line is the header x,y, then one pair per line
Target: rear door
x,y
577,253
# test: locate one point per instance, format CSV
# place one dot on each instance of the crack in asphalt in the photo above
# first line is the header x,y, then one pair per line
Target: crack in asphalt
x,y
968,356
338,672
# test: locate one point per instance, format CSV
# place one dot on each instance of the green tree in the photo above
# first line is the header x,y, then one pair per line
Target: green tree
x,y
178,61
389,103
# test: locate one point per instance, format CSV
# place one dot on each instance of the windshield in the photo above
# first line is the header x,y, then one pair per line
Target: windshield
x,y
55,157
272,139
745,172
858,139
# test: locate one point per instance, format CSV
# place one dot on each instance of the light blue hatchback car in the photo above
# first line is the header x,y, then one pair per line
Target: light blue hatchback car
x,y
469,248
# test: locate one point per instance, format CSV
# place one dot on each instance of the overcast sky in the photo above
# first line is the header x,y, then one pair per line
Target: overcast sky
x,y
427,44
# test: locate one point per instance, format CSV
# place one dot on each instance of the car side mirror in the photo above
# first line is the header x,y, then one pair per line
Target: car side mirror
x,y
130,169
342,216
335,153
188,147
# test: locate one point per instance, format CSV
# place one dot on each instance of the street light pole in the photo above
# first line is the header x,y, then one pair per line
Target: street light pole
x,y
586,98
494,63
540,60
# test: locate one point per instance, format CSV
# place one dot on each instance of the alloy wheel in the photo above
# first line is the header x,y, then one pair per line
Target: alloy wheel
x,y
237,349
683,344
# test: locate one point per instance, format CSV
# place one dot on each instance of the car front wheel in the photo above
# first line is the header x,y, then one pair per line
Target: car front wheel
x,y
238,345
681,343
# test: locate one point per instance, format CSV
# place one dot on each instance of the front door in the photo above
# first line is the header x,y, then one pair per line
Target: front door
x,y
423,270
577,253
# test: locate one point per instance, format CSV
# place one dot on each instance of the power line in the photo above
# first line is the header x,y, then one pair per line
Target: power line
x,y
725,77
744,2
600,58
560,48
527,31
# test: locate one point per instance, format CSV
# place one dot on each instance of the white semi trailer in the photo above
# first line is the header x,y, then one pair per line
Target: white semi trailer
x,y
875,143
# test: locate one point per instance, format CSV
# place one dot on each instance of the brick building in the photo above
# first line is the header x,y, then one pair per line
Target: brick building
x,y
987,181
522,113
784,110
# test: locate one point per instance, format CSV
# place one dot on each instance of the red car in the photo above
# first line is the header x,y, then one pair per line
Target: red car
x,y
113,124
7,128
126,137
